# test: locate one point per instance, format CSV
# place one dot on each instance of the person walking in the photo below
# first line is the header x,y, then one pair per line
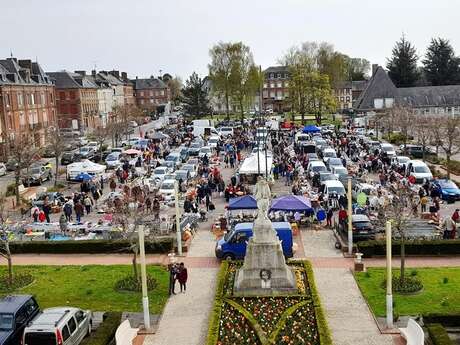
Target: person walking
x,y
63,223
448,225
182,276
172,278
35,211
88,203
47,211
329,215
79,211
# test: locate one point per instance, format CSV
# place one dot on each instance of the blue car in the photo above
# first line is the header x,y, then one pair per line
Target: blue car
x,y
448,189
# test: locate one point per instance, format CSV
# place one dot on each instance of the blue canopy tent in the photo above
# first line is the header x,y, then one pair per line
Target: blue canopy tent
x,y
83,177
311,129
291,203
245,202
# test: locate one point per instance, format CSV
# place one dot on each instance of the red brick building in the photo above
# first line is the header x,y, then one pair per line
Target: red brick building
x,y
276,89
27,102
77,102
151,93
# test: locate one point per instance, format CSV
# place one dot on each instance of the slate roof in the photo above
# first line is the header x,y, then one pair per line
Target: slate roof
x,y
276,69
11,72
111,79
69,80
150,83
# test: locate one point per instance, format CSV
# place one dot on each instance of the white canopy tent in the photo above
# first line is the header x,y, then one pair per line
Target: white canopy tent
x,y
254,165
85,166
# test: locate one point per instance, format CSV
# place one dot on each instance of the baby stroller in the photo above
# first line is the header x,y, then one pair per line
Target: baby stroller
x,y
203,215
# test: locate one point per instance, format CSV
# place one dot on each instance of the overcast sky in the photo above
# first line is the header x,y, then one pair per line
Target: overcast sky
x,y
145,36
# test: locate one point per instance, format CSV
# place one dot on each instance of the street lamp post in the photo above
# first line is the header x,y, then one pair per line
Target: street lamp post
x,y
350,218
389,295
145,297
176,205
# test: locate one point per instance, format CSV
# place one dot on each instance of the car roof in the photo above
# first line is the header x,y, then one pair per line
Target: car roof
x,y
51,317
333,183
398,157
12,303
168,181
367,185
328,149
386,144
312,163
360,218
417,162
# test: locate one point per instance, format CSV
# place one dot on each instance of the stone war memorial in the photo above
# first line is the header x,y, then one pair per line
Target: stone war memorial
x,y
266,300
264,271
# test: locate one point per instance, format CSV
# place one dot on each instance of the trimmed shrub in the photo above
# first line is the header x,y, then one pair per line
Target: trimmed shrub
x,y
438,334
418,248
164,245
106,331
447,320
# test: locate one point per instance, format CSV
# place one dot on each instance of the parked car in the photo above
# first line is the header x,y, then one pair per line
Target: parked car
x,y
339,171
315,167
59,326
16,311
365,188
233,244
70,157
333,162
213,141
332,188
388,149
400,160
326,176
225,132
419,170
53,197
112,161
183,175
167,189
194,149
415,151
183,151
160,172
48,152
448,189
86,152
175,158
362,228
205,151
191,168
2,169
36,175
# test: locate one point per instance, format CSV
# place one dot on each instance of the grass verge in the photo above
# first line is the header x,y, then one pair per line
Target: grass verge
x,y
90,287
440,292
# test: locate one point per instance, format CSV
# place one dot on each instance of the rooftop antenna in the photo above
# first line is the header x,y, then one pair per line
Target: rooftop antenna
x,y
11,53
94,62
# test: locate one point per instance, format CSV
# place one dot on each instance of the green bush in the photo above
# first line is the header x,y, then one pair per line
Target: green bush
x,y
396,138
106,331
447,320
438,334
131,283
411,284
88,247
417,247
11,189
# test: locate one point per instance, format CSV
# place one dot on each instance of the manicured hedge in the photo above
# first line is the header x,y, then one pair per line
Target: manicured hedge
x,y
417,248
447,320
213,330
88,247
105,333
438,334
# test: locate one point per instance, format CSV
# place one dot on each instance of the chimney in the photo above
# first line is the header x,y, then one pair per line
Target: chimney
x,y
115,73
374,68
136,77
25,64
93,73
124,76
82,73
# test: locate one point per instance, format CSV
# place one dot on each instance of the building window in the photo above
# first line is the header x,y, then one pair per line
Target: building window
x,y
265,85
286,84
151,100
286,94
348,99
62,95
279,75
42,96
265,94
279,84
151,93
22,119
20,99
279,94
162,92
272,94
341,99
7,99
142,93
272,85
72,94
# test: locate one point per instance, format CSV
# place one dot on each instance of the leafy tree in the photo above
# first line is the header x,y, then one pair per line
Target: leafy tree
x,y
356,68
56,142
441,66
245,78
402,66
321,98
222,57
195,96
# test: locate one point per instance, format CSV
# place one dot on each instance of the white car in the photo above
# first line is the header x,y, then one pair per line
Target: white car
x,y
212,141
93,144
205,151
419,170
400,160
315,167
113,160
2,169
339,171
329,153
167,189
191,168
332,187
160,172
224,132
388,148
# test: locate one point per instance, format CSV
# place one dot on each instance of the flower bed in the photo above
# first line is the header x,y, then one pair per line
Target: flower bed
x,y
287,320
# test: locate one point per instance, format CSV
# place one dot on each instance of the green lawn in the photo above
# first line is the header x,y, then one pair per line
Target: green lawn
x,y
436,296
90,287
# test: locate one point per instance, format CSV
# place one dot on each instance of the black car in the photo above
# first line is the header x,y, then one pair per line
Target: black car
x,y
16,312
70,157
363,230
194,149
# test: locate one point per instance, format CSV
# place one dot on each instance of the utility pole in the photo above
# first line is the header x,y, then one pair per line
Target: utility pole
x,y
178,232
350,218
389,296
145,297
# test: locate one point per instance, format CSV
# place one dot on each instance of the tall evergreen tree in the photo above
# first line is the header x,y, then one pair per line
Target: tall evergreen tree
x,y
195,96
402,67
441,66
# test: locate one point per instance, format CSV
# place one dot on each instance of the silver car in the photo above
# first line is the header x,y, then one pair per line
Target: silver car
x,y
58,326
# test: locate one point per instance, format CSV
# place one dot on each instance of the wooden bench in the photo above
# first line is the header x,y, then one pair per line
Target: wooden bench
x,y
125,334
413,333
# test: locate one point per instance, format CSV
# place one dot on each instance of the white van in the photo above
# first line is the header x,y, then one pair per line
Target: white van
x,y
419,170
204,131
332,188
202,123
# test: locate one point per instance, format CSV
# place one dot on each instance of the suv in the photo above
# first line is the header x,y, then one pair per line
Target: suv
x,y
70,157
37,175
15,313
59,326
362,228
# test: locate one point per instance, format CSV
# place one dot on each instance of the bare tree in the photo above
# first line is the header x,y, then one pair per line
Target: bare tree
x,y
449,127
56,142
5,251
402,117
23,152
398,207
422,126
100,135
